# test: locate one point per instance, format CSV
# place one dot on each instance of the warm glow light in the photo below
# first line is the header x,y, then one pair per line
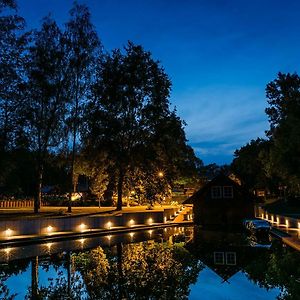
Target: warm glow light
x,y
160,174
108,237
131,234
267,217
278,221
49,229
287,223
8,232
109,225
299,225
150,232
165,229
131,222
82,226
150,221
165,219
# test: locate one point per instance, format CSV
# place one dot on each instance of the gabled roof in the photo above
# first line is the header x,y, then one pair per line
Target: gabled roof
x,y
219,178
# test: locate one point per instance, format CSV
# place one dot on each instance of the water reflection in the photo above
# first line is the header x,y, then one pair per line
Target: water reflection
x,y
172,263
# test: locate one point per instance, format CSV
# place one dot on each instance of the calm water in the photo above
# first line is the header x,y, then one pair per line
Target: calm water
x,y
173,263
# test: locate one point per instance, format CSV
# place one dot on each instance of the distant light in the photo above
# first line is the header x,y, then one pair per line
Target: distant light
x,y
165,219
287,223
298,225
131,234
150,232
150,221
108,237
160,174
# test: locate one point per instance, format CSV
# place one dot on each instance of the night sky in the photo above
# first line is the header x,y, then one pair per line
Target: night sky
x,y
219,54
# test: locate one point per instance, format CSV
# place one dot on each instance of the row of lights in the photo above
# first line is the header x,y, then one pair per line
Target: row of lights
x,y
287,223
82,227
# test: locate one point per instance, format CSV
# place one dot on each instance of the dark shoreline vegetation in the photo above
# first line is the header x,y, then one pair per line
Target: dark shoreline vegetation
x,y
75,118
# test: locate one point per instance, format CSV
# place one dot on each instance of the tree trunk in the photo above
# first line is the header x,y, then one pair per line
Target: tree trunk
x,y
120,189
35,277
73,188
38,196
120,270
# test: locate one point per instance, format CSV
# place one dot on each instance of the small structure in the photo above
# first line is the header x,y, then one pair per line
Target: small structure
x,y
221,202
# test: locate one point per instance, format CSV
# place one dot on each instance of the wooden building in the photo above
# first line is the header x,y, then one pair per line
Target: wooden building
x,y
221,203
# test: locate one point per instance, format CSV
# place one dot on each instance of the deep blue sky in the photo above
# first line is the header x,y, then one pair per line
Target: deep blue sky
x,y
219,54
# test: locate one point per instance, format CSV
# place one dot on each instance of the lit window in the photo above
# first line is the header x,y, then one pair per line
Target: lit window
x,y
227,192
219,258
231,258
216,192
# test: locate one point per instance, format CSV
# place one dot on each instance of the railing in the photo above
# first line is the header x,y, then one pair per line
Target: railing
x,y
278,220
16,203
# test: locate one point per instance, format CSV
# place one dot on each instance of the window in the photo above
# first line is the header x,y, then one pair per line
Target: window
x,y
219,258
216,192
231,258
227,192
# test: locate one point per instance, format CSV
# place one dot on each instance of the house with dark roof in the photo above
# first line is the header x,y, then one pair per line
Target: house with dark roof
x,y
222,202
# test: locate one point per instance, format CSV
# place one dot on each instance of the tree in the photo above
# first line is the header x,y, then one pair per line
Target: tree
x,y
47,96
283,96
83,45
129,118
12,48
251,164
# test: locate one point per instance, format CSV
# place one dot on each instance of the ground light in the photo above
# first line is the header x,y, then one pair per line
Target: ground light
x,y
131,222
49,229
82,227
109,225
8,232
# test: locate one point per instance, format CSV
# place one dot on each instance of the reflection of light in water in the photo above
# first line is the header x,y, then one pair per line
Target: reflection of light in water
x,y
131,234
7,252
81,241
49,246
108,237
150,232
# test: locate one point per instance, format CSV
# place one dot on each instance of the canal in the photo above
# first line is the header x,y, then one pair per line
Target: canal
x,y
167,263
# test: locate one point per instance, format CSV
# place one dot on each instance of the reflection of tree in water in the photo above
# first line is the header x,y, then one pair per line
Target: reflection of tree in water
x,y
279,268
138,271
7,270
